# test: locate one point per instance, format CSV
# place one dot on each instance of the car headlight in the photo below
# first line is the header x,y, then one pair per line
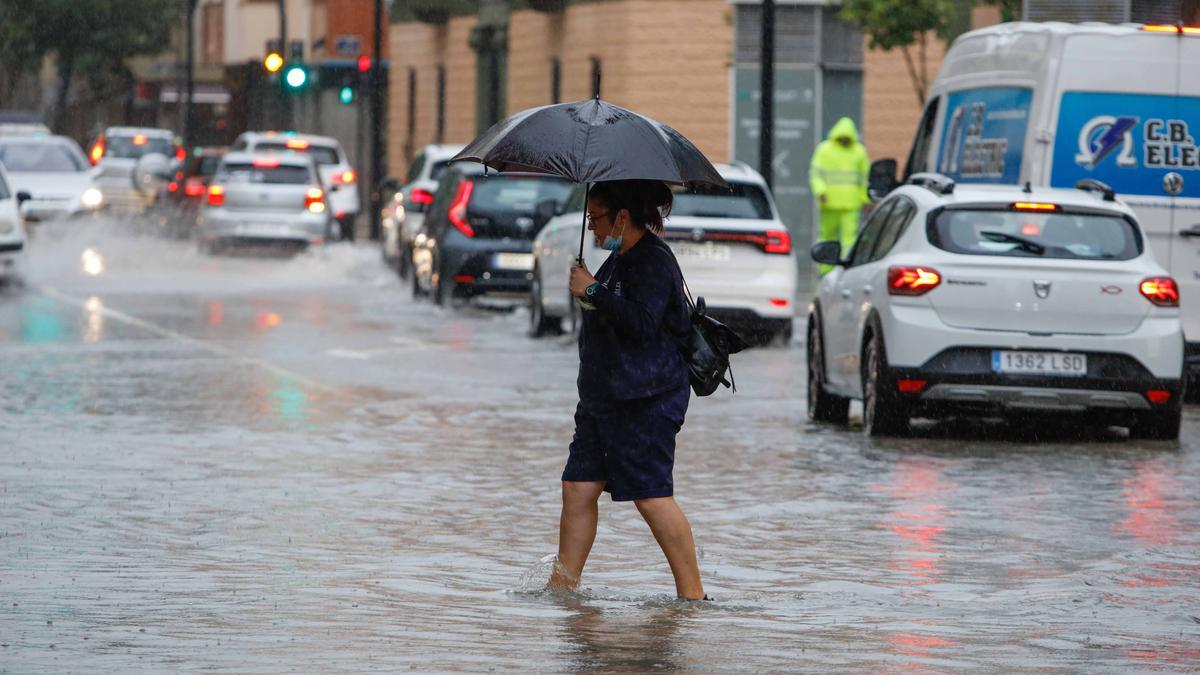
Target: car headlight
x,y
91,198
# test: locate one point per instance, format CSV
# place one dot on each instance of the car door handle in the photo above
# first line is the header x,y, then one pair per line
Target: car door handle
x,y
845,292
866,290
1193,231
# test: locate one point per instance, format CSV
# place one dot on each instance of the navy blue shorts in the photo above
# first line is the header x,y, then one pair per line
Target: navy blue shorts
x,y
630,445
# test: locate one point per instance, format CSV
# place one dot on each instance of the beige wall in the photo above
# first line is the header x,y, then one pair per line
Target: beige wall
x,y
681,79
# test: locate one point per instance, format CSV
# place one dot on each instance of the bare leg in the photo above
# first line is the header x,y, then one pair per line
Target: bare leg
x,y
674,534
576,530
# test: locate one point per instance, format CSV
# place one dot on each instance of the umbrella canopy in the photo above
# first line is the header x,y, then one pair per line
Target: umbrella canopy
x,y
591,141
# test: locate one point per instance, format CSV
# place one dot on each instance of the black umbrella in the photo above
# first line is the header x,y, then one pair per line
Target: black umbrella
x,y
591,141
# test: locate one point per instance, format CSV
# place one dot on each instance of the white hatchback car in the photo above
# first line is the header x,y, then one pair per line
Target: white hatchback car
x,y
982,299
402,218
12,230
338,178
731,245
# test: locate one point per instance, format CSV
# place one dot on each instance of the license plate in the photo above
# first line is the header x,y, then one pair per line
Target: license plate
x,y
1039,363
702,251
513,261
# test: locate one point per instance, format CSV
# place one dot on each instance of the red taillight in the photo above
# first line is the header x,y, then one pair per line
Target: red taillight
x,y
216,195
420,196
347,177
139,139
296,144
778,241
910,386
1158,396
180,153
779,302
193,187
1162,291
265,162
912,280
97,152
458,210
314,200
172,187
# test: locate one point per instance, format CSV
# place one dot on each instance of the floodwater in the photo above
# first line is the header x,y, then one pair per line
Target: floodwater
x,y
271,464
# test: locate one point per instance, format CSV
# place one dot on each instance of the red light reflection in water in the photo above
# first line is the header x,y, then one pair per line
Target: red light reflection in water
x,y
918,486
216,313
1149,516
910,644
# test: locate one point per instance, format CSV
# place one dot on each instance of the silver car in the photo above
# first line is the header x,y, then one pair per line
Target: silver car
x,y
55,174
264,198
116,153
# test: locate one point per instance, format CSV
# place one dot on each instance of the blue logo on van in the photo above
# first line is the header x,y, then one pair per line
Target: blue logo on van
x,y
1101,136
1133,142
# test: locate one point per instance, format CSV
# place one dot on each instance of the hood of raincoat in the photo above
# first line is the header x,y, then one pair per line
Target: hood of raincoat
x,y
844,128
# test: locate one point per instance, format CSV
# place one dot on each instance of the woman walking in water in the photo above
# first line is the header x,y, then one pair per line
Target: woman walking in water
x,y
633,383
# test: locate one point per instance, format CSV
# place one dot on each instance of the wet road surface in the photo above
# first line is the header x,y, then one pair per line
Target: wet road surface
x,y
261,464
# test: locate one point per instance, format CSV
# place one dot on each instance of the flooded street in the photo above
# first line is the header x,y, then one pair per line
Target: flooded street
x,y
287,464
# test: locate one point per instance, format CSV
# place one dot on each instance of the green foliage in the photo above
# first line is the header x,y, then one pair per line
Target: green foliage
x,y
898,23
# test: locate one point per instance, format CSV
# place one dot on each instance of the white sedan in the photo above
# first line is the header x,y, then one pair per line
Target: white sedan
x,y
55,173
13,238
993,300
731,245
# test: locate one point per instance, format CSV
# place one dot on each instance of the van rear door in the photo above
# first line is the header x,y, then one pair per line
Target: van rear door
x,y
1185,179
1112,91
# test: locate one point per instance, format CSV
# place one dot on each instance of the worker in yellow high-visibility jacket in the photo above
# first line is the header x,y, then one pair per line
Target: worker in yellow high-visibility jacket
x,y
838,177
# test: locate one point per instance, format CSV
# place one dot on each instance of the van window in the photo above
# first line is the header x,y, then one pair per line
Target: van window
x,y
1129,141
983,134
918,158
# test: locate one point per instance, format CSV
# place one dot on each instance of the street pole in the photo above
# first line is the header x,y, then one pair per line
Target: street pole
x,y
766,107
189,75
285,103
376,200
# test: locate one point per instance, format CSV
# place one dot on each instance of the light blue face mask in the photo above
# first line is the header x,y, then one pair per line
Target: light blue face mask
x,y
612,243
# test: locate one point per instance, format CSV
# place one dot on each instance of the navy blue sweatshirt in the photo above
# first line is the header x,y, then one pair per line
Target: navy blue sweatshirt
x,y
629,344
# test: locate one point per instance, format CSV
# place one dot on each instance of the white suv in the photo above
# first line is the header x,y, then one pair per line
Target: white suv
x,y
339,179
983,299
731,245
403,217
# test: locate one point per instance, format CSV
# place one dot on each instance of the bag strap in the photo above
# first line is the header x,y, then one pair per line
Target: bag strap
x,y
731,384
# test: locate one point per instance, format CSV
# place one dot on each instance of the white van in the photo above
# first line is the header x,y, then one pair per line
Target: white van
x,y
1055,103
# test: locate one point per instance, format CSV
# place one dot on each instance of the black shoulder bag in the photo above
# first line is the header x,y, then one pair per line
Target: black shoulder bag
x,y
707,347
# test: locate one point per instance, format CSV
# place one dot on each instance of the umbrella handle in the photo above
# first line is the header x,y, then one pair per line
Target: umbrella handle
x,y
587,189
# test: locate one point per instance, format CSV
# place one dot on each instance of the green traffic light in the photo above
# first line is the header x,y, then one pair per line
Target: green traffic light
x,y
295,77
346,94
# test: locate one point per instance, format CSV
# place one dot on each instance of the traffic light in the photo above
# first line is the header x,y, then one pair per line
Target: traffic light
x,y
273,62
346,94
296,77
364,63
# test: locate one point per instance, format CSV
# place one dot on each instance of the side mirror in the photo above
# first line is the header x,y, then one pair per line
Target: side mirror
x,y
882,178
827,252
543,212
23,197
151,172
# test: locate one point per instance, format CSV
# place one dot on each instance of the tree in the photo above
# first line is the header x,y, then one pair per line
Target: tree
x,y
907,25
96,36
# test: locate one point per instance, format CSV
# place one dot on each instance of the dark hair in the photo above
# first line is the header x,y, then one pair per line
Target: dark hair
x,y
648,201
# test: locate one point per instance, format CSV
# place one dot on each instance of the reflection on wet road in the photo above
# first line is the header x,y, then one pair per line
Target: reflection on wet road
x,y
274,464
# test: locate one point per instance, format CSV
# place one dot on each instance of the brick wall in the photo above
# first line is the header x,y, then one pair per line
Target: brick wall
x,y
668,59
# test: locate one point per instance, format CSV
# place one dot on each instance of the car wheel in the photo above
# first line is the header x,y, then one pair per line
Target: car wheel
x,y
822,406
417,291
883,413
1158,425
540,324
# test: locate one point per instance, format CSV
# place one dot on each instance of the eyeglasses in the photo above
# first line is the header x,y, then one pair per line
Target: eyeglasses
x,y
591,217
